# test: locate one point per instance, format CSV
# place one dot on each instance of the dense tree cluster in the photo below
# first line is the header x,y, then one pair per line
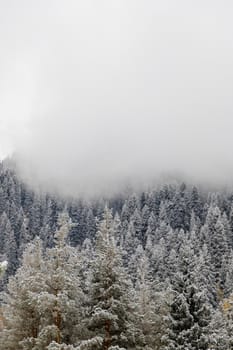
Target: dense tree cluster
x,y
155,271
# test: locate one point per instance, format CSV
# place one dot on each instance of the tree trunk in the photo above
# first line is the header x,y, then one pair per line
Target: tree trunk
x,y
107,340
58,324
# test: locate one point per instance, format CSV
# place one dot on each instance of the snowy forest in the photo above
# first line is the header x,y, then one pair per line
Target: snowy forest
x,y
146,270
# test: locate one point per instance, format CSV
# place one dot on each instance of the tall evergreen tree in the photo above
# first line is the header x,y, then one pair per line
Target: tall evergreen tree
x,y
43,302
21,316
110,319
190,313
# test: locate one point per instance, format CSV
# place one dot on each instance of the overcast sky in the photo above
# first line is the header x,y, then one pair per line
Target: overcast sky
x,y
93,93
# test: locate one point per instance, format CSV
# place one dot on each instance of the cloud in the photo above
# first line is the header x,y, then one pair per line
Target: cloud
x,y
99,93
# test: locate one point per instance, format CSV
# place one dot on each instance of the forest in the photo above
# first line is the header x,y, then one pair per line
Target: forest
x,y
141,270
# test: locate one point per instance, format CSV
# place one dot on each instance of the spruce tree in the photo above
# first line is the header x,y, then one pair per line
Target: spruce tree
x,y
150,305
190,313
110,317
60,303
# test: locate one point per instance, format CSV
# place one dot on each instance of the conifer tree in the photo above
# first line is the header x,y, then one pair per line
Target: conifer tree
x,y
3,267
21,316
43,302
150,306
110,318
60,303
190,313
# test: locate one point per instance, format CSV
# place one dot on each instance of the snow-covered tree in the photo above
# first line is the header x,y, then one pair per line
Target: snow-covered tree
x,y
21,316
3,267
151,306
190,312
61,300
110,317
43,302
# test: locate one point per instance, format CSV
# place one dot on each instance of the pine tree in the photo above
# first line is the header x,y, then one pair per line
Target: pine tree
x,y
110,318
196,204
43,302
25,236
10,249
220,339
179,212
21,316
190,313
60,303
150,306
3,267
216,241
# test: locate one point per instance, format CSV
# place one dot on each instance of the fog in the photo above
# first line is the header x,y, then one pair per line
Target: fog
x,y
96,94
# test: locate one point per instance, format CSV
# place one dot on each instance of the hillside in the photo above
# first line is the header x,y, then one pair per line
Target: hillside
x,y
174,240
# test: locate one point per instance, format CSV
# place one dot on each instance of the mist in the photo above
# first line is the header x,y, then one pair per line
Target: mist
x,y
98,94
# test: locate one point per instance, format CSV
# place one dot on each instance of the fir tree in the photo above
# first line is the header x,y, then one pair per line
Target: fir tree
x,y
110,320
190,313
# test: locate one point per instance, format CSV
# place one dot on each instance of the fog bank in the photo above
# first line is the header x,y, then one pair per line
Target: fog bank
x,y
96,94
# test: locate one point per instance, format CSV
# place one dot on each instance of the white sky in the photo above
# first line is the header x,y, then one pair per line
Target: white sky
x,y
95,92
